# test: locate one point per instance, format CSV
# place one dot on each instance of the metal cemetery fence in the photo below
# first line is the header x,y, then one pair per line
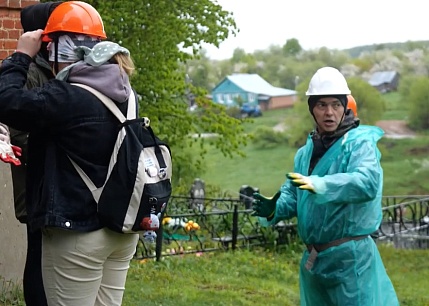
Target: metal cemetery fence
x,y
405,221
222,224
208,224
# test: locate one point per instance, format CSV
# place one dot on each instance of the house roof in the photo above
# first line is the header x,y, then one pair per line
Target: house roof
x,y
382,77
255,84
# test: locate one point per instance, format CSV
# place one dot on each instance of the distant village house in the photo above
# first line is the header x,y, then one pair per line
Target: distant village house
x,y
385,81
240,88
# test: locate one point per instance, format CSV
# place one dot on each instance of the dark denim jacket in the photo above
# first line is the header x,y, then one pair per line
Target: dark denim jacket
x,y
63,120
38,74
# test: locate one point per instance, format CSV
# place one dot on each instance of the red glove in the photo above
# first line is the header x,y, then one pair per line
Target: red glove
x,y
9,153
16,150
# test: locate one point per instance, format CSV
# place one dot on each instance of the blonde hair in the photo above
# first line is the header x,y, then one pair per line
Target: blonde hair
x,y
125,62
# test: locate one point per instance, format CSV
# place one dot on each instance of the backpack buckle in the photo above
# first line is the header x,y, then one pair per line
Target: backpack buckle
x,y
162,173
146,121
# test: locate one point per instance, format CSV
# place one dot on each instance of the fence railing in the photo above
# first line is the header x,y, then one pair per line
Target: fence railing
x,y
228,224
223,224
405,221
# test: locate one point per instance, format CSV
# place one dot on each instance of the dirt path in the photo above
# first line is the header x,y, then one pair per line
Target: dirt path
x,y
396,129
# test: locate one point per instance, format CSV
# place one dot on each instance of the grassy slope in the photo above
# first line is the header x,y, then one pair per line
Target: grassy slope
x,y
396,108
262,168
215,279
247,278
254,278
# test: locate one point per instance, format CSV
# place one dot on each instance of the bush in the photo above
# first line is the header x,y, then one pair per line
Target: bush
x,y
11,293
267,137
300,125
418,100
234,111
370,103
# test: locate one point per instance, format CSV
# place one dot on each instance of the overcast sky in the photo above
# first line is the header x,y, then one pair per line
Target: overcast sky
x,y
335,24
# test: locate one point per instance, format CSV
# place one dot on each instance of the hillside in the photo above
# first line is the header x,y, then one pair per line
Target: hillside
x,y
402,46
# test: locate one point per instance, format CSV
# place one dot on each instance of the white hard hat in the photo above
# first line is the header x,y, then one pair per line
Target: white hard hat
x,y
328,81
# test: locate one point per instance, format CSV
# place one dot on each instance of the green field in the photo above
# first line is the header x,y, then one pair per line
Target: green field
x,y
254,278
396,109
243,277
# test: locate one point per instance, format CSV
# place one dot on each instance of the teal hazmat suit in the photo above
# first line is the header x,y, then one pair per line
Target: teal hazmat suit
x,y
348,181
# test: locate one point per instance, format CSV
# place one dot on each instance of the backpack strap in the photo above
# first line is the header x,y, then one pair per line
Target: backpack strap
x,y
131,116
131,111
96,192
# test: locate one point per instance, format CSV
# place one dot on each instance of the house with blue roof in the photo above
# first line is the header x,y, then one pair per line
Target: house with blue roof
x,y
240,88
384,81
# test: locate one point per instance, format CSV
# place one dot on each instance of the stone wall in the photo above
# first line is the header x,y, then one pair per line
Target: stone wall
x,y
12,233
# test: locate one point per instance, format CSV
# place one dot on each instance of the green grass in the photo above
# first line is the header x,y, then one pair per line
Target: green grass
x,y
214,279
269,118
405,163
254,278
396,108
246,278
260,168
266,170
409,273
11,293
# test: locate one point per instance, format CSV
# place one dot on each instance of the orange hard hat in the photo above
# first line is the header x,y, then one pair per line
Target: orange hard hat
x,y
75,17
351,104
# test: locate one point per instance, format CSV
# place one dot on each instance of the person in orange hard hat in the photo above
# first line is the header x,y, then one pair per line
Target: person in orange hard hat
x,y
351,104
80,20
74,17
83,262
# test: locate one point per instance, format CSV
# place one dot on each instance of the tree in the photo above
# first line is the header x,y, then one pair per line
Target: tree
x,y
406,84
292,47
238,56
161,36
370,103
418,101
200,73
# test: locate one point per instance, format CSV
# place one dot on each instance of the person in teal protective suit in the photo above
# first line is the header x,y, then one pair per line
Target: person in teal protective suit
x,y
335,192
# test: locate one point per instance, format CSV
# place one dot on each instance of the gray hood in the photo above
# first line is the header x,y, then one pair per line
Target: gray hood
x,y
107,79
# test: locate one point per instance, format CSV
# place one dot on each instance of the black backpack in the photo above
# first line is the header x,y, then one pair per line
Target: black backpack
x,y
138,184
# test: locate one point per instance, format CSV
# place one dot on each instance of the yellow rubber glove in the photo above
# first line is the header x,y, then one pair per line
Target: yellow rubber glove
x,y
301,181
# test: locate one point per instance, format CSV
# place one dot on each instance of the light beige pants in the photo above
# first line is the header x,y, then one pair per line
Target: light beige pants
x,y
86,269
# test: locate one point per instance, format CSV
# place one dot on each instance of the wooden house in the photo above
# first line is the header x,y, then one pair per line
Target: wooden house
x,y
385,81
240,88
